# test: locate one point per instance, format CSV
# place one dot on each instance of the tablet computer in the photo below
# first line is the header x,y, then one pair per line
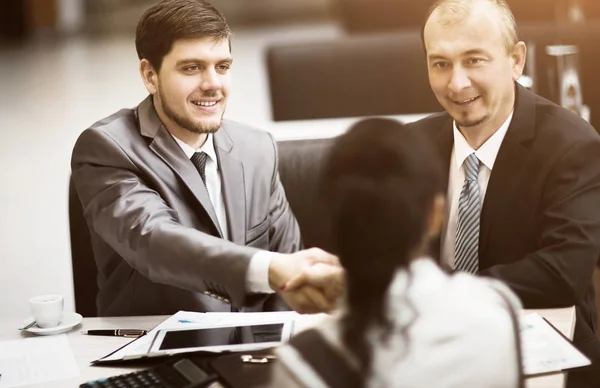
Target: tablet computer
x,y
221,338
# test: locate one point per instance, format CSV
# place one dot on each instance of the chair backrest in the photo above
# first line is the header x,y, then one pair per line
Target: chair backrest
x,y
300,163
382,74
361,16
82,257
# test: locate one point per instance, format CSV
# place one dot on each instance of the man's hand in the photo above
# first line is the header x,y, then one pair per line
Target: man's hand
x,y
304,299
328,278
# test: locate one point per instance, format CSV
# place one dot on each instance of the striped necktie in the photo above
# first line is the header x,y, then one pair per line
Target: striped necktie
x,y
466,248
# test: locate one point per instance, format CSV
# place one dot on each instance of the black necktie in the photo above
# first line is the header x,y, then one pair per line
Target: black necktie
x,y
199,160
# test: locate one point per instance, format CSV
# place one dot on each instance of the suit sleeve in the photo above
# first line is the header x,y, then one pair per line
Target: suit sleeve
x,y
131,217
558,273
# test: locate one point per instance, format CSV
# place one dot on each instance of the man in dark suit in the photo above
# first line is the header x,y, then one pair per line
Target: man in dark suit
x,y
524,174
186,210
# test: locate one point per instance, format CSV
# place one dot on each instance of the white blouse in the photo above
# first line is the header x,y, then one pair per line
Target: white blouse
x,y
460,334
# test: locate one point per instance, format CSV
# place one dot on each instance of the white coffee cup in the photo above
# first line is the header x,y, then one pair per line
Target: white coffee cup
x,y
47,310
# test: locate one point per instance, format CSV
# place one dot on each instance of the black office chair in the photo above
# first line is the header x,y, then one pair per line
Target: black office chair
x,y
368,16
300,164
82,258
381,74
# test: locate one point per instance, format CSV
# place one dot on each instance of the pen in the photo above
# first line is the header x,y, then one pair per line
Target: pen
x,y
130,333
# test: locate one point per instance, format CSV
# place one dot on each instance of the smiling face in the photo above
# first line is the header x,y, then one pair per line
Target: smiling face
x,y
191,88
471,71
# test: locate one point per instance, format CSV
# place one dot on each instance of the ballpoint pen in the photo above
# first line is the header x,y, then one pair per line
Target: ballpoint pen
x,y
130,333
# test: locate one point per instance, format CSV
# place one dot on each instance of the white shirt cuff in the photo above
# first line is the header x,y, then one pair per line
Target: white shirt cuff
x,y
257,279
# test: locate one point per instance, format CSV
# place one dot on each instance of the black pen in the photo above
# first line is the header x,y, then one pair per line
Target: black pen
x,y
130,333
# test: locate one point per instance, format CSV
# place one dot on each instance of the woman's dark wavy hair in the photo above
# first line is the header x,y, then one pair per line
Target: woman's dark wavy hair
x,y
171,20
378,186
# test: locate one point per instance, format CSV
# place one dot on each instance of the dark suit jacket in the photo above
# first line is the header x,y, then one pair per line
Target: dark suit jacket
x,y
540,220
155,235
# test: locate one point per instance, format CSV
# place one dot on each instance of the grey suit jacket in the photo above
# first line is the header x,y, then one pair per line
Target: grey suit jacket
x,y
155,235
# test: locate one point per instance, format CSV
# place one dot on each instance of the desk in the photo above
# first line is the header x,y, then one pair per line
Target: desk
x,y
88,348
322,128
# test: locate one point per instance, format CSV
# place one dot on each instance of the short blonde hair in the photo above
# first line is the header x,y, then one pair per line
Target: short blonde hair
x,y
457,10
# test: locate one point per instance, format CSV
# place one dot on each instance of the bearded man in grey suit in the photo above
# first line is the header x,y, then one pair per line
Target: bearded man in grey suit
x,y
186,210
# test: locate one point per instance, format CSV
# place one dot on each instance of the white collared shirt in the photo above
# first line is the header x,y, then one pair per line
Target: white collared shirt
x,y
257,278
486,154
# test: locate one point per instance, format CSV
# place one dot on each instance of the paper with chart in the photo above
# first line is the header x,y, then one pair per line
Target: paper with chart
x,y
545,350
139,347
36,360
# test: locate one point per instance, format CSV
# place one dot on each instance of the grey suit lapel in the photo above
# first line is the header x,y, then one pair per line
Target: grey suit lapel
x,y
165,147
232,178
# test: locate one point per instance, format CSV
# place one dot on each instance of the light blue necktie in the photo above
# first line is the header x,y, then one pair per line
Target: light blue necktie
x,y
466,248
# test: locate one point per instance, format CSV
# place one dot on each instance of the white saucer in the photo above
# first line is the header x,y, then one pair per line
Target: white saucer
x,y
69,321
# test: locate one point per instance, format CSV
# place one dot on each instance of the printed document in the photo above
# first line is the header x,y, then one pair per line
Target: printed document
x,y
545,350
36,360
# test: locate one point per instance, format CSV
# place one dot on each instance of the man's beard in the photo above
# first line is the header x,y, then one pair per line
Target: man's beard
x,y
470,123
186,123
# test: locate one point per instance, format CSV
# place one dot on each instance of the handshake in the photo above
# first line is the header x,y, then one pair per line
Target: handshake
x,y
309,281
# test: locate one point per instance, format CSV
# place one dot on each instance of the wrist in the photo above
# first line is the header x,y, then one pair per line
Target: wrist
x,y
276,278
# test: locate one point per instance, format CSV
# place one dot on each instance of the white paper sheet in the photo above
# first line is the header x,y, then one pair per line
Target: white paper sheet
x,y
36,360
545,350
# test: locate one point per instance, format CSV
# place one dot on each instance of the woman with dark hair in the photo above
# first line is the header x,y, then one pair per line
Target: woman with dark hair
x,y
403,322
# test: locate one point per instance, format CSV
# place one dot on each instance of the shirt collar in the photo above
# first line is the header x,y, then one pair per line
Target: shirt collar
x,y
488,151
207,147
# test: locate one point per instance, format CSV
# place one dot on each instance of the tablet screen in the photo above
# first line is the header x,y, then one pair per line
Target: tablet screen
x,y
194,338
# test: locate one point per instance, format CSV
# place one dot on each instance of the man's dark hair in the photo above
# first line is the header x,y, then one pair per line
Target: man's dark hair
x,y
171,20
379,185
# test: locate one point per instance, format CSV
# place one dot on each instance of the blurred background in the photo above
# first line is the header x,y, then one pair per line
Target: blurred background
x,y
65,64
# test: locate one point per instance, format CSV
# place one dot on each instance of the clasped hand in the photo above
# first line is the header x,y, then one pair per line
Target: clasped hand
x,y
309,281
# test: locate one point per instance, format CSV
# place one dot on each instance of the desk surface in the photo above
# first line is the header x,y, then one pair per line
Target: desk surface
x,y
322,128
88,348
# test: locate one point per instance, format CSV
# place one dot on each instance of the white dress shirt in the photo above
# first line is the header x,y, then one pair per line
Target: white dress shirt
x,y
486,154
257,278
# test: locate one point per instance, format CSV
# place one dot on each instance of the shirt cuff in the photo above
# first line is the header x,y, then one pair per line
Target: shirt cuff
x,y
257,279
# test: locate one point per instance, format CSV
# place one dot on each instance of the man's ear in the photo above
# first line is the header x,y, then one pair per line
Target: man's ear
x,y
436,216
149,76
518,55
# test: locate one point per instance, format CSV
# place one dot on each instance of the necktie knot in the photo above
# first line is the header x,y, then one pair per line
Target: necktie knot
x,y
471,167
199,161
